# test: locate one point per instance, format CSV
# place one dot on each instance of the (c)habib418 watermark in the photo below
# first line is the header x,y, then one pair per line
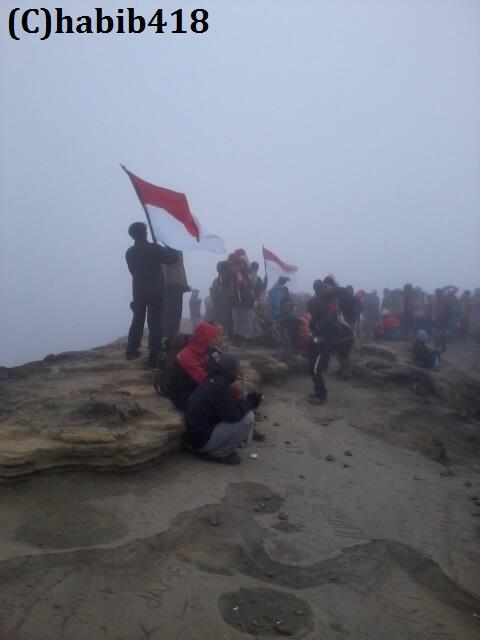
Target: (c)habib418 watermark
x,y
44,23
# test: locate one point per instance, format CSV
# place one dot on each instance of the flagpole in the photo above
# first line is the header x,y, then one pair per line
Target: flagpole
x,y
144,207
265,277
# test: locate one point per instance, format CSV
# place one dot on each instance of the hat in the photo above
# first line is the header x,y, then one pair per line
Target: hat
x,y
226,366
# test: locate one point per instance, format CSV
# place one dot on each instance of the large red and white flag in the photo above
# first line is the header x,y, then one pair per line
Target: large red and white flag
x,y
276,268
171,219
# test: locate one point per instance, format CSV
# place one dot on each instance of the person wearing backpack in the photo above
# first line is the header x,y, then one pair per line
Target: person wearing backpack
x,y
194,357
217,420
184,363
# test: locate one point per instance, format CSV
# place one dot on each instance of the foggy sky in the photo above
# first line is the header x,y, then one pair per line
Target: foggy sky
x,y
343,135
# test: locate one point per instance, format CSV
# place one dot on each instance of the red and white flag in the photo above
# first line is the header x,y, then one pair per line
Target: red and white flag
x,y
171,219
276,268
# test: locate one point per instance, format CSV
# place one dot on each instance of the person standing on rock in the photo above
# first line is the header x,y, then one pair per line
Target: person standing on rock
x,y
329,335
195,306
319,347
145,260
176,286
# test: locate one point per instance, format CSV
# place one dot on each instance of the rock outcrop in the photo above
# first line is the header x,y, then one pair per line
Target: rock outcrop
x,y
92,409
455,383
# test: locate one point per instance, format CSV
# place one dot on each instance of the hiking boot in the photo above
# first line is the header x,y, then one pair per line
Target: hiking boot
x,y
258,436
233,458
313,399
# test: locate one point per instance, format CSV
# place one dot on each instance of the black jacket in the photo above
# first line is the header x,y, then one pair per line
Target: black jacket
x,y
211,403
348,305
324,320
144,260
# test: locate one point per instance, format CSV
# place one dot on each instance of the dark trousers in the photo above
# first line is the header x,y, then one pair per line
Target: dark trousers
x,y
153,312
318,358
172,310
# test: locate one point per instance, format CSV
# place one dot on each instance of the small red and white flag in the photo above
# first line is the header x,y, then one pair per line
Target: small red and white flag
x,y
171,219
276,268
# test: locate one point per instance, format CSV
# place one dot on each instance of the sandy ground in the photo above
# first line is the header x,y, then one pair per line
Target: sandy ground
x,y
382,543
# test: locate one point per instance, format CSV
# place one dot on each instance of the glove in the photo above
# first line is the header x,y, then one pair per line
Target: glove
x,y
254,399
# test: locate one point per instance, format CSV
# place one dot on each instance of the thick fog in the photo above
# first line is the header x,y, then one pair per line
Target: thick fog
x,y
343,135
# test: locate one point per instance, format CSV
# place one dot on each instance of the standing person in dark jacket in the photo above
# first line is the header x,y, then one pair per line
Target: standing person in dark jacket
x,y
195,306
217,420
348,305
145,260
323,310
175,280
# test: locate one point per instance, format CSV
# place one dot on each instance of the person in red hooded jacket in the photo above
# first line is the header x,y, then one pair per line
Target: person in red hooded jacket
x,y
193,358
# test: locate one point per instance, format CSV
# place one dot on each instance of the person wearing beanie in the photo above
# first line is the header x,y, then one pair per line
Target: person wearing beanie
x,y
219,421
423,356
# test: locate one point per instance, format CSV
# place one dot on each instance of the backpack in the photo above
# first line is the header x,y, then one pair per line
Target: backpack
x,y
167,363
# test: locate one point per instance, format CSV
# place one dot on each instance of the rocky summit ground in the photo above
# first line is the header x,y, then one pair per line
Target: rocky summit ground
x,y
358,519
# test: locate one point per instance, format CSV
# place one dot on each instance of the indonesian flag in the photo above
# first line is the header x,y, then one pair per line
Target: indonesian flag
x,y
276,268
171,220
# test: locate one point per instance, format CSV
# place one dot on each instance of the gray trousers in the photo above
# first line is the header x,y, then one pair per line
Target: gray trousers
x,y
228,436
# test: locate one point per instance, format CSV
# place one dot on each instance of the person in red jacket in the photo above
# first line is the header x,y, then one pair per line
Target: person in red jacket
x,y
193,358
206,345
388,327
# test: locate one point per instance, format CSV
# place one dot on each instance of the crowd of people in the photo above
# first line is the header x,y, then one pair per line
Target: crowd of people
x,y
202,379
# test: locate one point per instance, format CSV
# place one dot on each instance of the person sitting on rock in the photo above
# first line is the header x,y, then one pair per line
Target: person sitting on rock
x,y
193,358
185,364
206,344
423,356
219,420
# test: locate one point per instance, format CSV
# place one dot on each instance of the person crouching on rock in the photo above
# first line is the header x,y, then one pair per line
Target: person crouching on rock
x,y
423,356
218,418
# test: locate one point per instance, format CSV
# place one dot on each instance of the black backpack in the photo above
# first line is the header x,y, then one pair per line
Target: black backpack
x,y
167,373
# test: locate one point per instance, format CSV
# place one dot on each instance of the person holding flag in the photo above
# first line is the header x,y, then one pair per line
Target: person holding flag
x,y
145,260
172,223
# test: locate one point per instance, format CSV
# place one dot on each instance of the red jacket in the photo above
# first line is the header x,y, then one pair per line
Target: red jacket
x,y
390,321
194,357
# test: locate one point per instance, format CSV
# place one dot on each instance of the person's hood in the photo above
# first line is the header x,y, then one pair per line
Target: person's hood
x,y
204,336
226,366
